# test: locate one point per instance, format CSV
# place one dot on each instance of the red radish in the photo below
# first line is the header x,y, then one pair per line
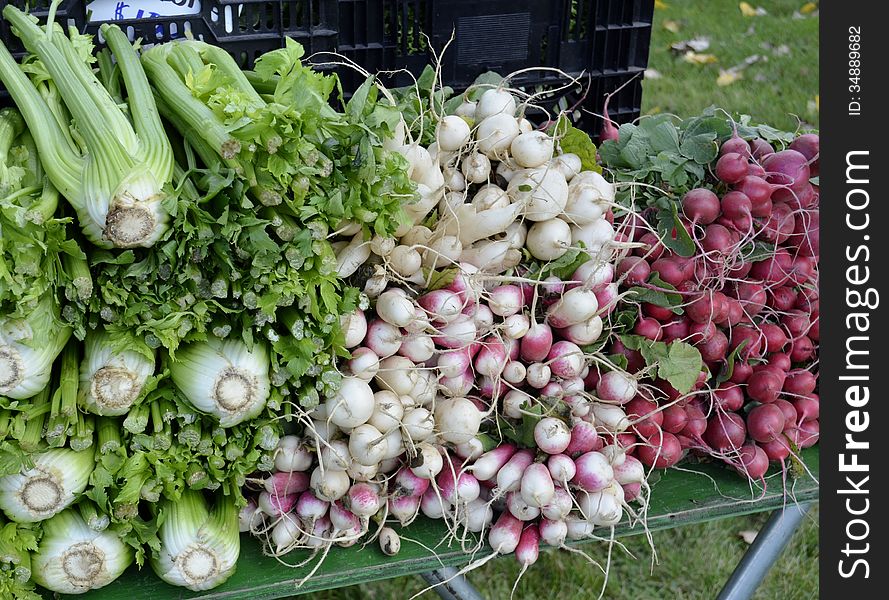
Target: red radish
x,y
796,323
670,270
725,431
741,373
729,397
756,170
735,144
661,451
675,418
731,167
809,432
787,168
759,148
657,312
759,192
751,338
536,344
736,313
780,360
561,468
509,477
807,300
552,435
649,328
553,532
715,348
752,462
696,422
779,226
537,488
701,332
703,309
489,464
594,472
806,233
616,387
644,412
717,239
408,484
777,450
752,296
635,269
800,382
790,416
737,207
815,327
782,298
701,206
675,330
609,131
565,359
584,438
807,408
765,422
527,550
505,534
765,385
808,145
653,248
607,299
802,349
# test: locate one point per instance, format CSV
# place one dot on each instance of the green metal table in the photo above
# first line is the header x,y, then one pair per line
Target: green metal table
x,y
701,493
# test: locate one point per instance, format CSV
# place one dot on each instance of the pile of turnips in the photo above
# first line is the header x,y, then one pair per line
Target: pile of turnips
x,y
468,394
746,298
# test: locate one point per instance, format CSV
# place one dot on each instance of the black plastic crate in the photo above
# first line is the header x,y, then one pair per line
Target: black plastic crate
x,y
245,28
606,40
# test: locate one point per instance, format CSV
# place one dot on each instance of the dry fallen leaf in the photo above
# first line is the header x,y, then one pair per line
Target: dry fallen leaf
x,y
661,5
672,26
693,45
652,74
807,8
748,535
814,105
728,77
698,59
749,11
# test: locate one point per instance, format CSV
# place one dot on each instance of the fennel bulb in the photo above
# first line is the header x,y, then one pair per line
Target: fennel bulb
x,y
199,547
73,559
112,374
223,378
54,482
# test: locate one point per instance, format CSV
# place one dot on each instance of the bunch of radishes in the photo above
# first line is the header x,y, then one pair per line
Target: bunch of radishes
x,y
473,337
749,304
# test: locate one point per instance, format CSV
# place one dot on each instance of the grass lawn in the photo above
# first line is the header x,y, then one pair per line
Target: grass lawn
x,y
782,83
694,561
